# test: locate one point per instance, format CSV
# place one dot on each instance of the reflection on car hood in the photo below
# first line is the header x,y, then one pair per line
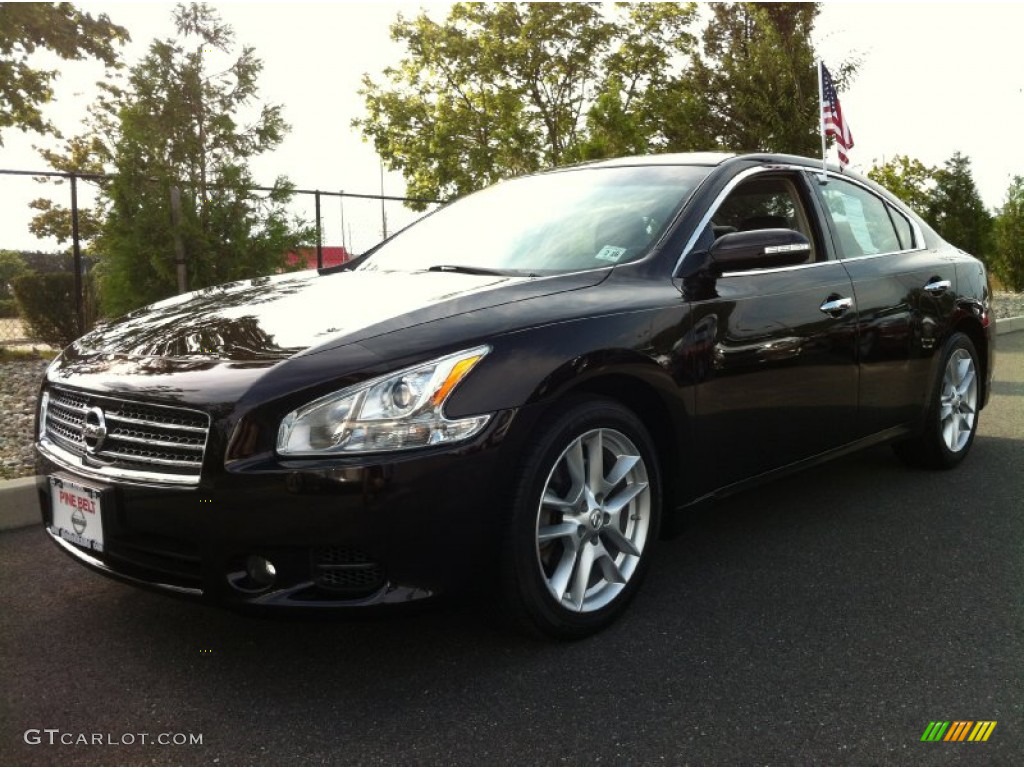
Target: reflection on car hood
x,y
273,318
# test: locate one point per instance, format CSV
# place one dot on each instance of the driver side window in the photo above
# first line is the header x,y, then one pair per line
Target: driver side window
x,y
771,202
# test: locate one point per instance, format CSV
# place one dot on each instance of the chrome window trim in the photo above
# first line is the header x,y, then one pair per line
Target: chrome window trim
x,y
882,255
713,208
919,244
792,267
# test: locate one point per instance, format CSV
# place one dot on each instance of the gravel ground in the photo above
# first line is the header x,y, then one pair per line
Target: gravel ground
x,y
1009,304
19,385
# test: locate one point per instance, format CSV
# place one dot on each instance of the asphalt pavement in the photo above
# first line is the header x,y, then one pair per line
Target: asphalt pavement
x,y
824,619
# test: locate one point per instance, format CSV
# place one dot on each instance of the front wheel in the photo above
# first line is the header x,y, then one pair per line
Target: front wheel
x,y
951,421
585,516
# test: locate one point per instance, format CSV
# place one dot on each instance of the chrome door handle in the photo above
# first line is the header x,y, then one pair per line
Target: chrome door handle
x,y
836,306
938,286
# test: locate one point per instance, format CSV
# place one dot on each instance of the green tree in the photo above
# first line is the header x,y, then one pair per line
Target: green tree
x,y
179,122
754,84
909,179
82,154
90,154
60,28
501,89
1008,258
630,113
11,266
956,210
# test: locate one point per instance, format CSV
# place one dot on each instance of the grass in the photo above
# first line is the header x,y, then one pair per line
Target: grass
x,y
19,354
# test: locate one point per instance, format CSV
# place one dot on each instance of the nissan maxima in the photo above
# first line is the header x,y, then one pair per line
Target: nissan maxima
x,y
519,394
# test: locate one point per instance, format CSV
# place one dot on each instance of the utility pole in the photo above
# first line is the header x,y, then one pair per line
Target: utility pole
x,y
341,202
179,244
76,245
383,213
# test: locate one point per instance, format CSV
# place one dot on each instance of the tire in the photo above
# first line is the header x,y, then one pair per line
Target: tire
x,y
585,516
951,419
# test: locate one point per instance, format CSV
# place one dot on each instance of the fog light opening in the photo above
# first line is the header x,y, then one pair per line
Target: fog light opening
x,y
260,570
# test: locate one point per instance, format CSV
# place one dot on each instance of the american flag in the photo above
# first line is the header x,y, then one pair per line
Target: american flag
x,y
833,120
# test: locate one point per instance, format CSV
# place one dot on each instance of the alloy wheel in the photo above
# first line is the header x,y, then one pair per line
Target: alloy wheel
x,y
593,520
958,405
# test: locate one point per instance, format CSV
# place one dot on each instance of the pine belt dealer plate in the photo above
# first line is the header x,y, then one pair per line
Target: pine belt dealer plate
x,y
76,513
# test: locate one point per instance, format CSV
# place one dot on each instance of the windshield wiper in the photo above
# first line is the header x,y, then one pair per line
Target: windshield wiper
x,y
462,269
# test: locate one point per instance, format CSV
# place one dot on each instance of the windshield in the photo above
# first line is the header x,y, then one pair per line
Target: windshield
x,y
555,222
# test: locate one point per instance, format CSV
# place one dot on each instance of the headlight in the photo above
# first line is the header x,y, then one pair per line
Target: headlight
x,y
395,412
44,407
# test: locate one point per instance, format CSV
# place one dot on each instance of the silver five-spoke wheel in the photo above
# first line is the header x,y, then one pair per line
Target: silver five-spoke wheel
x,y
593,519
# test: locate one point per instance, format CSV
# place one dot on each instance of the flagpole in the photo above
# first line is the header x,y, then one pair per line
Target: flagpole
x,y
821,121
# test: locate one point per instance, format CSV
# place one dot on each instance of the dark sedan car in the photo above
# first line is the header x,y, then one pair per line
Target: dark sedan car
x,y
516,393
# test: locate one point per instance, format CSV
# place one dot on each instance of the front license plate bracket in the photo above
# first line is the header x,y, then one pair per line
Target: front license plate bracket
x,y
76,513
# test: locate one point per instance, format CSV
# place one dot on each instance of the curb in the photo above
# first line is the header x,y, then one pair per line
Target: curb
x,y
1009,325
19,504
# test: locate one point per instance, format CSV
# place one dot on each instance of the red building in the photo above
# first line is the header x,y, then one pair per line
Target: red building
x,y
306,257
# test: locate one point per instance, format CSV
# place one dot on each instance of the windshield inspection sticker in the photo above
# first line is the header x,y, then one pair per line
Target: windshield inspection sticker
x,y
610,253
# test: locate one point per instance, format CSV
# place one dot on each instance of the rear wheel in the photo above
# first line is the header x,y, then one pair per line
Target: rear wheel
x,y
951,421
585,517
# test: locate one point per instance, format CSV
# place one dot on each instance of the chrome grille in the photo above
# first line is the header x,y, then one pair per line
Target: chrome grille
x,y
140,441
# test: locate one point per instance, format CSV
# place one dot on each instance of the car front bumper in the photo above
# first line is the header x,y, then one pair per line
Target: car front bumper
x,y
387,530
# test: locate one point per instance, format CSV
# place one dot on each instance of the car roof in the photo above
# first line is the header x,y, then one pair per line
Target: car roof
x,y
668,158
704,159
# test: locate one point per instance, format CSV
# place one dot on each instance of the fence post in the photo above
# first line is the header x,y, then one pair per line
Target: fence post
x,y
344,245
319,243
383,213
76,250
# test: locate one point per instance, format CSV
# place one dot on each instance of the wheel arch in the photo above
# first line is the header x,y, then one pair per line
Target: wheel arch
x,y
666,426
971,327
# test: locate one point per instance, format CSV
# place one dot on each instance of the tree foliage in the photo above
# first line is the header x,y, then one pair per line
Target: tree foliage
x,y
178,121
60,28
500,89
754,86
957,211
11,266
909,179
1008,261
86,154
43,301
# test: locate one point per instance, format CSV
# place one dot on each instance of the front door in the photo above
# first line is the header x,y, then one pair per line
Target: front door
x,y
782,381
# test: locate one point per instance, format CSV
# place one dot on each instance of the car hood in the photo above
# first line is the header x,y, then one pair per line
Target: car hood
x,y
273,318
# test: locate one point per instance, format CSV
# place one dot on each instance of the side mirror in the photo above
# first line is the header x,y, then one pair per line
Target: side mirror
x,y
758,249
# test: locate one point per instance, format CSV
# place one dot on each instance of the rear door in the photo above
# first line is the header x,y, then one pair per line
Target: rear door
x,y
904,295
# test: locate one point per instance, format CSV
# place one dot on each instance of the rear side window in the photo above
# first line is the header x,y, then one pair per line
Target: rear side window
x,y
903,229
860,220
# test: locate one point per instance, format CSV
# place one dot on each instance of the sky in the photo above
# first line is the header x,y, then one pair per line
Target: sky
x,y
935,78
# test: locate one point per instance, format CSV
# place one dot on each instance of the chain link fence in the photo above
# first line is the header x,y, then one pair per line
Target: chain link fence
x,y
346,225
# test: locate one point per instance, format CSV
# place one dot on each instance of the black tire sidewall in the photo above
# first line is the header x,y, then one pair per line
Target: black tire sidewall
x,y
523,582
